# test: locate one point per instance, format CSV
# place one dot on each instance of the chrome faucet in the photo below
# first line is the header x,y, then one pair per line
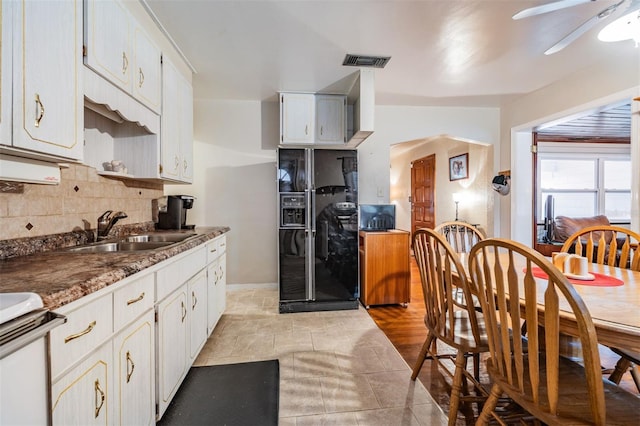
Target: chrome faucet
x,y
105,223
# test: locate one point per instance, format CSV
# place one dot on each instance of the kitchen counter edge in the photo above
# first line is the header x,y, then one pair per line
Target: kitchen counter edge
x,y
61,277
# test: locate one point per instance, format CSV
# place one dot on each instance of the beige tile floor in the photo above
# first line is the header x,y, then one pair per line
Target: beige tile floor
x,y
336,368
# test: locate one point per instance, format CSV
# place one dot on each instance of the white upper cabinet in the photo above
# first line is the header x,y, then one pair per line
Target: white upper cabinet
x,y
176,135
331,119
46,78
297,118
5,74
147,72
308,118
119,50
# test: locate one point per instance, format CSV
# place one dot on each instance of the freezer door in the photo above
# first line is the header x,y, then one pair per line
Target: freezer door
x,y
293,268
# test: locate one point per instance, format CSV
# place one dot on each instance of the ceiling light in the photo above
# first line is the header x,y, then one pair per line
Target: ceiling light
x,y
624,28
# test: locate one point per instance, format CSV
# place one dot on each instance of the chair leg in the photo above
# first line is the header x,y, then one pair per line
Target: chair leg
x,y
456,388
489,406
422,356
476,366
622,366
635,375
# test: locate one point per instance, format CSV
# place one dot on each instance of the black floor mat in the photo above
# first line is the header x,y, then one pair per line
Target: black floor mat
x,y
244,394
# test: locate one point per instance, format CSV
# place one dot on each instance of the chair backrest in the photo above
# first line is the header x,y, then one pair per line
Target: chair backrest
x,y
460,235
442,275
606,245
503,271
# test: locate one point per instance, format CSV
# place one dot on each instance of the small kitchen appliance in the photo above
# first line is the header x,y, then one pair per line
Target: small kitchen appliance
x,y
173,213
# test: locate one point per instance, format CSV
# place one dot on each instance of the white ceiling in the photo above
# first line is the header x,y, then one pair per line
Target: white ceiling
x,y
443,52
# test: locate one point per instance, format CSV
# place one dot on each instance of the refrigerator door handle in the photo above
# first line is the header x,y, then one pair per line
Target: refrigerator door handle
x,y
312,205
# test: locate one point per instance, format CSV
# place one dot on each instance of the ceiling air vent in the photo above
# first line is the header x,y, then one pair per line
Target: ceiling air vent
x,y
365,61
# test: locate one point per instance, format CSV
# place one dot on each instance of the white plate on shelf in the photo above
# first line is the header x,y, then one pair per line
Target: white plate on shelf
x,y
587,277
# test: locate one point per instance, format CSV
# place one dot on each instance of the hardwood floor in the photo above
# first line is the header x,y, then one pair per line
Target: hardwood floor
x,y
406,330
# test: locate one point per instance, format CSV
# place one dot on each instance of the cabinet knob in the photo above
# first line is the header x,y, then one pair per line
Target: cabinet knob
x,y
99,394
140,77
39,110
87,330
125,63
130,363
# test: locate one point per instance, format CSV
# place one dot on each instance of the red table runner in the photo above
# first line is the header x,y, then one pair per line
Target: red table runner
x,y
600,280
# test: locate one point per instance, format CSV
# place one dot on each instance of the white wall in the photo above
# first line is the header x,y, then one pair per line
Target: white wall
x,y
477,201
235,143
234,183
613,79
395,124
234,175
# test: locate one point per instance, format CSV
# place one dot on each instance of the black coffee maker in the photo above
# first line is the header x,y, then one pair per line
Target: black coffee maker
x,y
173,215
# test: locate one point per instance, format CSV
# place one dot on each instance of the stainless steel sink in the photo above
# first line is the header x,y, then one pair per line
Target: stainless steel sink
x,y
141,242
119,246
173,237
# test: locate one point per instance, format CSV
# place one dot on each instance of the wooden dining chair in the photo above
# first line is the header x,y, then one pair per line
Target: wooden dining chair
x,y
553,389
613,246
441,274
606,245
460,235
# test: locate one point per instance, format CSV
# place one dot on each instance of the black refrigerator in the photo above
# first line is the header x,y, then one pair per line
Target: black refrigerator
x,y
317,229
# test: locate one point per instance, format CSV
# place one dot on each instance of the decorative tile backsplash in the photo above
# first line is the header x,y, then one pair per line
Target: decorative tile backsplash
x,y
74,204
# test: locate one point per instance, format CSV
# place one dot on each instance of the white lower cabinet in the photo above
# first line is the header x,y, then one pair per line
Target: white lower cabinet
x,y
171,352
134,373
197,314
124,351
82,396
216,281
102,358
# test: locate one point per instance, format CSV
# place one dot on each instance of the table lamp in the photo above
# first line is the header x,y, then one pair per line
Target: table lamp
x,y
456,199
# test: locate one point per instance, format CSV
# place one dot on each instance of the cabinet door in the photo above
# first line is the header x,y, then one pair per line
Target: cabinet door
x,y
330,119
177,125
47,71
147,74
212,295
81,396
135,373
197,314
5,72
109,50
297,112
222,284
185,132
173,331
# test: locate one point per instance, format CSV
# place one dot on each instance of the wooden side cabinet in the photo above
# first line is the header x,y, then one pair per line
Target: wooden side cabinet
x,y
384,268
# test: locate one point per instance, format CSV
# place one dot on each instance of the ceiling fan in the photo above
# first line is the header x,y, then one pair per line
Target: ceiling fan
x,y
631,5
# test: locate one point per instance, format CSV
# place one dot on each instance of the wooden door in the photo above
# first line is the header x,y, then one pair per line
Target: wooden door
x,y
423,172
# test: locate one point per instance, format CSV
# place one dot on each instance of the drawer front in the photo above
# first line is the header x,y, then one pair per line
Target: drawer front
x,y
177,273
216,247
222,244
86,328
132,300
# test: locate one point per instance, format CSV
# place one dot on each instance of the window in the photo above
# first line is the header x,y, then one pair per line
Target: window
x,y
585,180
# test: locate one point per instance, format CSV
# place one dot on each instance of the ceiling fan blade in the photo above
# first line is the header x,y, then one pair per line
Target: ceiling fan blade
x,y
586,26
549,7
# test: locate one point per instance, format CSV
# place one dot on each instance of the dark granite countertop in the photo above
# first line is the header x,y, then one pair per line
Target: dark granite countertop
x,y
61,276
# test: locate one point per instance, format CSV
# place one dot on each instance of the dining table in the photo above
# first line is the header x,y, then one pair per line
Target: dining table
x,y
612,298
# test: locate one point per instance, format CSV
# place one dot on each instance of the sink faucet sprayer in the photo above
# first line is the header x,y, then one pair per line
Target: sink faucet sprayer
x,y
105,223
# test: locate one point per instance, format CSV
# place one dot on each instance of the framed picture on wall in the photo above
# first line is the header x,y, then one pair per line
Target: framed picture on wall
x,y
459,167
